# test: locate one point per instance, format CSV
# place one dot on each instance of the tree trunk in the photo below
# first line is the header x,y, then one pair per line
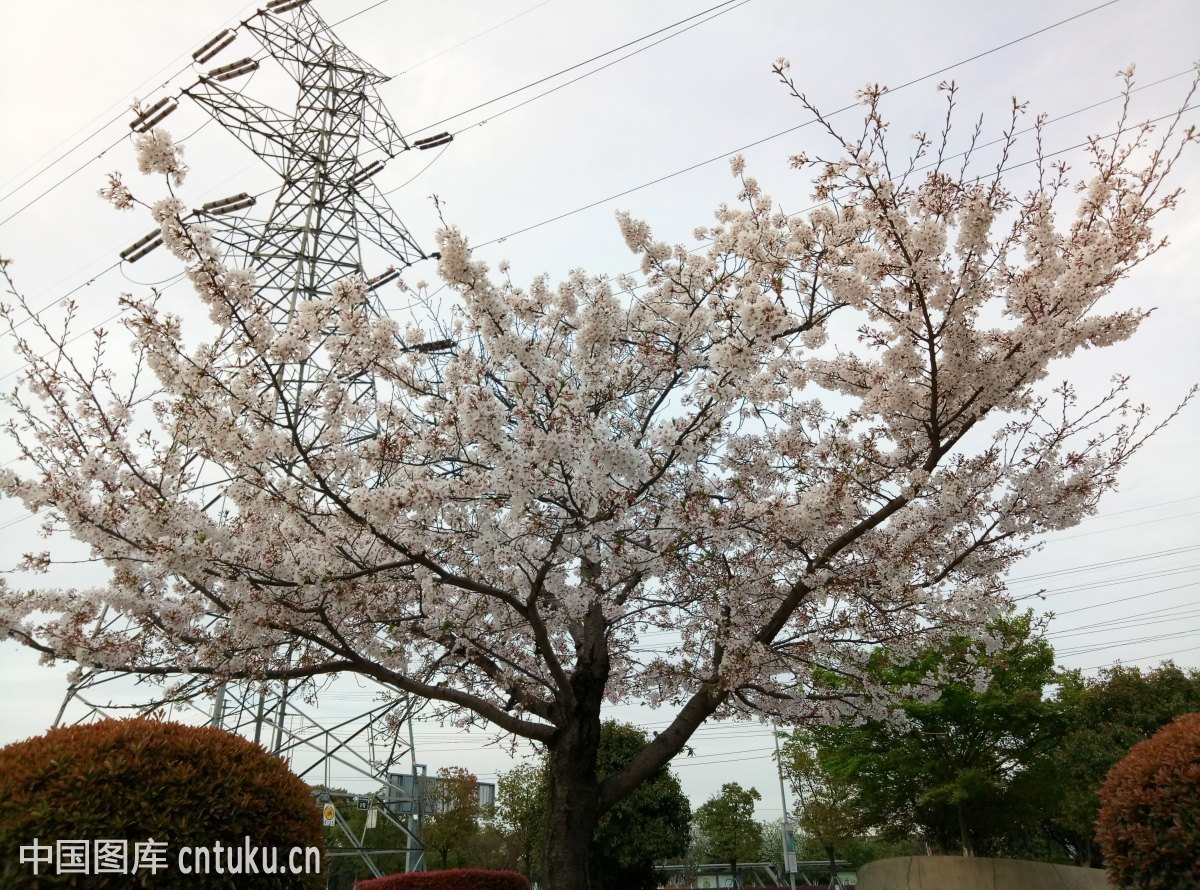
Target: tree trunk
x,y
573,807
967,846
833,872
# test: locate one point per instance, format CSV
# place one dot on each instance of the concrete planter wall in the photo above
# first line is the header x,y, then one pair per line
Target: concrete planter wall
x,y
976,873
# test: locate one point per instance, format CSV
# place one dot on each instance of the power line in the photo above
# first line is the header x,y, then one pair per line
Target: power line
x,y
1097,667
55,302
1101,531
1053,120
101,129
1111,582
114,120
36,313
1087,567
438,55
355,15
184,69
1125,599
63,156
901,87
1111,624
544,222
202,126
1187,610
43,194
686,761
87,164
1052,592
1083,650
909,83
726,753
570,68
1191,497
418,174
587,74
696,166
793,129
169,278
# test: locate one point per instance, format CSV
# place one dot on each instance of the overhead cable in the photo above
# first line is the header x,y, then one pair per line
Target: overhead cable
x,y
570,68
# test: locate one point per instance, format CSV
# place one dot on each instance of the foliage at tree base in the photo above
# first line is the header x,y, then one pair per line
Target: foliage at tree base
x,y
449,879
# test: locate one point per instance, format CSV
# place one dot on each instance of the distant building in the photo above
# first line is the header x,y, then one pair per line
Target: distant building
x,y
402,797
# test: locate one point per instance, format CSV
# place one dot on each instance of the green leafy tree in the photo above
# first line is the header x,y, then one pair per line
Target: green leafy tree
x,y
691,858
771,850
825,811
651,825
727,822
453,807
493,846
1106,716
859,851
862,850
957,773
521,813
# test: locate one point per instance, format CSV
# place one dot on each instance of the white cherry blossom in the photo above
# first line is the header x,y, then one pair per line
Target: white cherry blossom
x,y
589,465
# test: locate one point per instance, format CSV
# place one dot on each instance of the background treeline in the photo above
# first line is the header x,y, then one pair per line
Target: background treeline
x,y
1008,763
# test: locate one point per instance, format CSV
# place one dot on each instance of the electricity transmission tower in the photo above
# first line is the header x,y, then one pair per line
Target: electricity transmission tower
x,y
326,151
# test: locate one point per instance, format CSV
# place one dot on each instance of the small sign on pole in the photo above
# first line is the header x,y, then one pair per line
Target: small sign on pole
x,y
372,817
328,815
361,802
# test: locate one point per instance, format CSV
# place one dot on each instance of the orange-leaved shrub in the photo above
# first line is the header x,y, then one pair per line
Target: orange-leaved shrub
x,y
448,879
141,780
1149,823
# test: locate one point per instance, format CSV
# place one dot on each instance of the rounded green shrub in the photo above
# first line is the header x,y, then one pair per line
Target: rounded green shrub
x,y
1149,823
127,803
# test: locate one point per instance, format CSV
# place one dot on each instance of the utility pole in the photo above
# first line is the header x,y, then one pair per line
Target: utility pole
x,y
789,839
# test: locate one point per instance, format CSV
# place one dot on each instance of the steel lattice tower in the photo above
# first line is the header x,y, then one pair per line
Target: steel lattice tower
x,y
323,152
326,151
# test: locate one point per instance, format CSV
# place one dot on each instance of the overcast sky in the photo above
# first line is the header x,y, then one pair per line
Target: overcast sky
x,y
69,67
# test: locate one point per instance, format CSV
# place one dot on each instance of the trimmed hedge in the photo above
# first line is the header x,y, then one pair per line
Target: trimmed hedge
x,y
1149,823
448,879
143,779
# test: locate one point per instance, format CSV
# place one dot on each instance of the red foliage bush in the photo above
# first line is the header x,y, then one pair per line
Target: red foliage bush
x,y
143,779
1149,823
450,879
